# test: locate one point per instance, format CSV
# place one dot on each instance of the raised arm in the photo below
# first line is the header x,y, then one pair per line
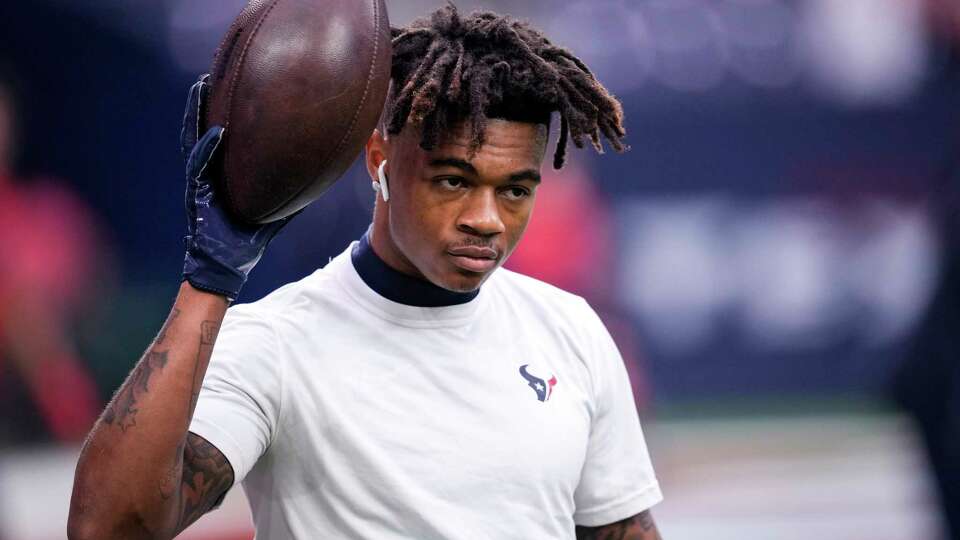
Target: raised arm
x,y
638,527
141,475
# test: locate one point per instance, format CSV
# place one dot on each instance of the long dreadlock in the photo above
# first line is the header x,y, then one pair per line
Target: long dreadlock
x,y
448,68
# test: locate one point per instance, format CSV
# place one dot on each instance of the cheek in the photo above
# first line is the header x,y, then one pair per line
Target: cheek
x,y
424,213
416,219
516,221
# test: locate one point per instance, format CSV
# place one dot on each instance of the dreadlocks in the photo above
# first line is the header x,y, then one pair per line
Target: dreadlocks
x,y
448,69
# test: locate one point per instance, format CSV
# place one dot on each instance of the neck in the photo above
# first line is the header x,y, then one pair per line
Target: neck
x,y
399,286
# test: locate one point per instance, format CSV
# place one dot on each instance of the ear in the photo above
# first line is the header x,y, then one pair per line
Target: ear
x,y
376,151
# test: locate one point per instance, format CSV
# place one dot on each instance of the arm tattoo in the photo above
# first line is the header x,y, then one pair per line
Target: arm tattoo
x,y
123,409
638,527
208,336
208,332
207,475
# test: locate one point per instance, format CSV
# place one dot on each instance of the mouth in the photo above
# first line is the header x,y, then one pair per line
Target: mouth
x,y
474,258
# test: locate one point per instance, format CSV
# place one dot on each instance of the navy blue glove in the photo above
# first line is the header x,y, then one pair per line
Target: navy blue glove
x,y
220,251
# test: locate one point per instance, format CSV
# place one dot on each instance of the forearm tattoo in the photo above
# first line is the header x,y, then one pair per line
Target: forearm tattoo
x,y
638,527
124,407
208,336
207,475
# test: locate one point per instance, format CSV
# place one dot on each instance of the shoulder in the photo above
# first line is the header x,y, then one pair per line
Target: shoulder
x,y
257,340
296,296
285,311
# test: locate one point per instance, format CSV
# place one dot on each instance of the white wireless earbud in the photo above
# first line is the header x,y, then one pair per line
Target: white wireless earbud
x,y
382,187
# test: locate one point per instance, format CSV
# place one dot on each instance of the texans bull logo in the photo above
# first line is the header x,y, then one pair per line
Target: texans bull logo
x,y
543,388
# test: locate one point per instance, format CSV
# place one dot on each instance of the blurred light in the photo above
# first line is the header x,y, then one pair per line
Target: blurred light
x,y
786,259
865,52
673,274
690,45
760,34
859,52
790,274
892,269
621,56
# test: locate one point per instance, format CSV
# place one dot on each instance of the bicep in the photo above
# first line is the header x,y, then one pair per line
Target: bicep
x,y
207,475
638,527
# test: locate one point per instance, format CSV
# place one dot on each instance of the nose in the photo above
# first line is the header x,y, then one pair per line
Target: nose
x,y
481,215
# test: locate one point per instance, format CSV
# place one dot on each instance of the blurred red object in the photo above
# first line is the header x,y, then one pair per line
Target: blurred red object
x,y
567,242
48,239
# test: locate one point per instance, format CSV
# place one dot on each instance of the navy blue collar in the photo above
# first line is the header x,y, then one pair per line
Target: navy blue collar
x,y
399,287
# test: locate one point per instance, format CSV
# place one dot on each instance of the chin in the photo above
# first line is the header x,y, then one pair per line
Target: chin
x,y
462,282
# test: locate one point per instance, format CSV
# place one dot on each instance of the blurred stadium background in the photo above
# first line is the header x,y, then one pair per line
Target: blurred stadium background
x,y
774,255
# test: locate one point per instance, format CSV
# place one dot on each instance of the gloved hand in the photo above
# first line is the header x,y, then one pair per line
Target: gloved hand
x,y
220,251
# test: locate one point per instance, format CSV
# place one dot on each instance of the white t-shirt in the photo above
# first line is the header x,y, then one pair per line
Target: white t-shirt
x,y
347,415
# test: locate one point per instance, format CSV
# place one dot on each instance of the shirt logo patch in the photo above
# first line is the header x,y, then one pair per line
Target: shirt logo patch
x,y
543,388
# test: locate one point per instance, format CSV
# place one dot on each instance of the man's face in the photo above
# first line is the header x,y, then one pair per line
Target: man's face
x,y
454,219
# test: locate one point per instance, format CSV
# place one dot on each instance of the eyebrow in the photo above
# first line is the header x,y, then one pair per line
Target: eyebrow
x,y
457,163
529,174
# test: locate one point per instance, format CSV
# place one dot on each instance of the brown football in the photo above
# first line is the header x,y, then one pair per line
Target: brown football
x,y
299,86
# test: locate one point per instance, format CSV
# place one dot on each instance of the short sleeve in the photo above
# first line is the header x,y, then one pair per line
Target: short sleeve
x,y
617,480
239,404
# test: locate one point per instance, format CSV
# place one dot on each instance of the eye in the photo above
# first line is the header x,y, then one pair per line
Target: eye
x,y
451,183
516,193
